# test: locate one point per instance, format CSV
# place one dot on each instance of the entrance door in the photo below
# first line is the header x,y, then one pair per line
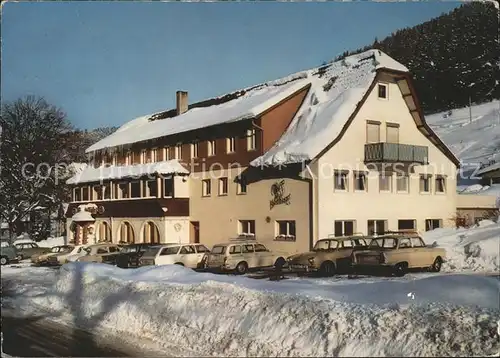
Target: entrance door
x,y
194,235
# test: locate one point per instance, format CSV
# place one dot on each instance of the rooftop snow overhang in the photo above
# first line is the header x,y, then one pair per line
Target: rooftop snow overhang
x,y
104,173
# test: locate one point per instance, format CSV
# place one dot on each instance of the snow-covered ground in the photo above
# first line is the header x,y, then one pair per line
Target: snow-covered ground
x,y
50,242
452,313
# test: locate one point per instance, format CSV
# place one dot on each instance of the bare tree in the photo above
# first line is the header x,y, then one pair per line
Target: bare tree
x,y
33,161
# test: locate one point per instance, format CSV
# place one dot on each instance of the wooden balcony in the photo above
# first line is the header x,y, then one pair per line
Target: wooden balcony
x,y
396,153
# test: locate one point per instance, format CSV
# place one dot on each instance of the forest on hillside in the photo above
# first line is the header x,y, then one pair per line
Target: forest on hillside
x,y
452,57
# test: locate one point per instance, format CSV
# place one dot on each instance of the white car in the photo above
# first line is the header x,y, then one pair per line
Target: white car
x,y
242,256
188,255
59,259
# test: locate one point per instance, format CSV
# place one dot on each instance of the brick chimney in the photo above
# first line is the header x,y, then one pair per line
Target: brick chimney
x,y
182,102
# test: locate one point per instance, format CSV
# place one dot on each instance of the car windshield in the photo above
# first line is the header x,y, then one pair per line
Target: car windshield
x,y
127,249
323,245
152,251
55,249
219,249
383,243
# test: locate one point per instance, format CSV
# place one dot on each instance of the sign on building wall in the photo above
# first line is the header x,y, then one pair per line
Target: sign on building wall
x,y
278,194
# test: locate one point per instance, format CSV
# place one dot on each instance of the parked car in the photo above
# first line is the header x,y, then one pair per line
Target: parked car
x,y
28,249
243,256
42,258
398,253
64,257
8,253
329,256
103,253
130,254
189,255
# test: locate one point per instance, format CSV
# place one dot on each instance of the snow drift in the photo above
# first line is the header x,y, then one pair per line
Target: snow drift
x,y
475,249
237,316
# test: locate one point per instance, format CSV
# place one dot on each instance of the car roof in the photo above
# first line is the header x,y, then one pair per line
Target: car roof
x,y
342,238
238,242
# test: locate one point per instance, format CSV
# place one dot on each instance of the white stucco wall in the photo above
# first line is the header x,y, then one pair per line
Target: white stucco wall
x,y
348,153
181,186
177,229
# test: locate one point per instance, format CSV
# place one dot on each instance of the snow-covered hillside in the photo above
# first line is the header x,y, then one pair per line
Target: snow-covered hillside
x,y
472,142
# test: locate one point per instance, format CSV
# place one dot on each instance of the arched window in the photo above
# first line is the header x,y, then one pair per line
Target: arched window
x,y
103,232
126,233
150,233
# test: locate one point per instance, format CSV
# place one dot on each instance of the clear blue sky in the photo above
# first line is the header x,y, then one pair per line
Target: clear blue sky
x,y
105,63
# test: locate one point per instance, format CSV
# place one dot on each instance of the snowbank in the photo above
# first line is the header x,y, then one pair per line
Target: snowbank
x,y
476,249
238,316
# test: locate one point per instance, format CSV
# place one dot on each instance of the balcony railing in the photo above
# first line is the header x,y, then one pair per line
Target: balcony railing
x,y
396,153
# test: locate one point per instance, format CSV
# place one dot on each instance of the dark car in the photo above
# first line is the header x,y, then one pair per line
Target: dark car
x,y
130,254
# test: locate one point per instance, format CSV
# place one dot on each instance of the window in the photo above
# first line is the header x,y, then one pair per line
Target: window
x,y
128,158
425,183
286,228
359,181
150,188
247,227
404,243
260,248
85,195
382,91
372,132
113,249
223,186
154,155
230,145
211,144
107,190
168,187
406,224
102,250
135,189
431,224
392,133
194,150
235,249
247,248
417,242
218,250
206,187
186,250
166,153
376,227
402,183
144,157
440,184
173,250
340,178
251,139
201,249
241,185
178,151
385,180
344,227
77,194
97,192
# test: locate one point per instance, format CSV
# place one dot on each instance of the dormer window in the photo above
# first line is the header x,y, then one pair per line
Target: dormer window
x,y
211,144
178,151
382,91
251,139
194,150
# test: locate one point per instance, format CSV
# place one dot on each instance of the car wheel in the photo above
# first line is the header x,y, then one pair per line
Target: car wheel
x,y
179,263
280,262
400,269
436,266
242,268
327,269
4,260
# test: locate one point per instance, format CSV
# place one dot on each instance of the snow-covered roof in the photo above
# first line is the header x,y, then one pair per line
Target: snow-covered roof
x,y
82,216
251,104
329,104
489,168
336,88
91,174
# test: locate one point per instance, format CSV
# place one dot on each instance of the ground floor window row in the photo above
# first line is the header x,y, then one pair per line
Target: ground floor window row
x,y
283,229
349,227
126,233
